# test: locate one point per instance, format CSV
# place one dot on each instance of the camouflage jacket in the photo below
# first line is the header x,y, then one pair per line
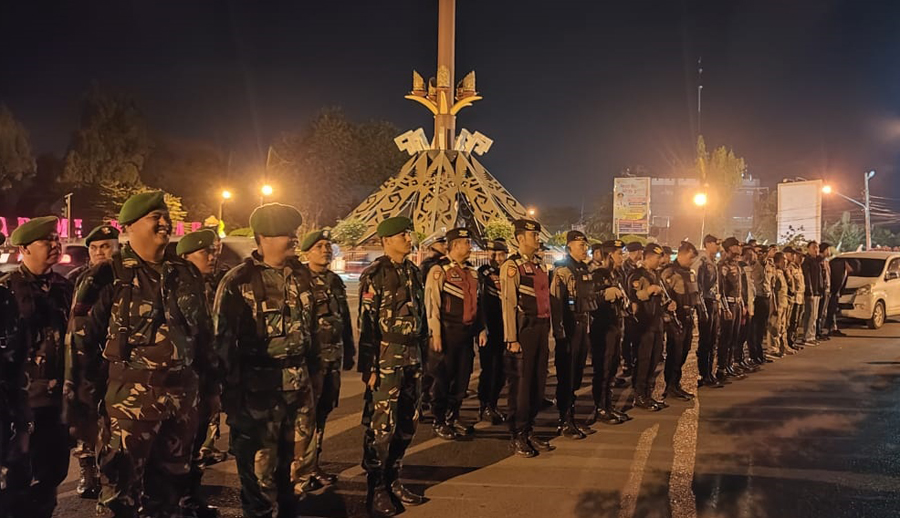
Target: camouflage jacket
x,y
43,302
392,321
334,330
266,327
141,317
14,405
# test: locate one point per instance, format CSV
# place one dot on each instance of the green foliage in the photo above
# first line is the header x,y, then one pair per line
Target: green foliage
x,y
100,203
498,228
16,160
844,234
884,237
242,232
334,163
765,220
112,143
721,172
192,170
628,238
793,237
558,239
348,232
598,223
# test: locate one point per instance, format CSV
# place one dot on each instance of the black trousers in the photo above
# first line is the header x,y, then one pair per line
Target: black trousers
x,y
606,351
730,331
709,333
831,311
453,368
743,337
492,377
33,479
630,344
761,313
678,345
649,354
527,373
794,322
824,302
571,357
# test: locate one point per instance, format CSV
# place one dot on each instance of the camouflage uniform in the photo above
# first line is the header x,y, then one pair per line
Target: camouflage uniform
x,y
393,333
151,324
336,348
210,418
43,302
265,329
15,413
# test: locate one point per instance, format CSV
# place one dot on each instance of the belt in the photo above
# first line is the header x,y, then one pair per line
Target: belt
x,y
158,378
399,339
267,362
732,299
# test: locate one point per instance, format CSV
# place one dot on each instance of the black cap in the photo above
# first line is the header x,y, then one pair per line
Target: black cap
x,y
456,233
575,235
789,250
709,238
653,248
498,245
634,246
824,246
596,246
613,244
526,225
687,246
730,242
667,250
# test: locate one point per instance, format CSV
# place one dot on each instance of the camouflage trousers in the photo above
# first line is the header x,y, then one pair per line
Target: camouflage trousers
x,y
207,434
145,449
390,415
32,479
272,442
328,394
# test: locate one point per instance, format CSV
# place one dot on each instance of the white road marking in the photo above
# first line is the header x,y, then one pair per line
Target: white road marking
x,y
628,500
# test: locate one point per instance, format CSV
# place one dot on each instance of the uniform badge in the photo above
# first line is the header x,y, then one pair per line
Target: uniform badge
x,y
511,271
529,269
636,284
436,275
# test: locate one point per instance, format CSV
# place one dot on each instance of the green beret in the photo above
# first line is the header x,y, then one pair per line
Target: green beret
x,y
275,219
140,205
393,226
314,237
33,230
195,241
102,233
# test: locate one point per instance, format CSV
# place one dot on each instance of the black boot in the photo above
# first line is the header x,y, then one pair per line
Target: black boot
x,y
621,415
88,481
462,430
490,412
521,447
538,444
378,500
606,416
406,496
444,431
567,429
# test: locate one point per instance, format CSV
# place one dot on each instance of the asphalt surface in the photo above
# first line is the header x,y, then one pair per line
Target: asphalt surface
x,y
813,435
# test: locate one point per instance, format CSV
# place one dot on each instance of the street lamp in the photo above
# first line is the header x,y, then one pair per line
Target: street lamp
x,y
700,200
866,205
826,189
226,195
266,190
532,212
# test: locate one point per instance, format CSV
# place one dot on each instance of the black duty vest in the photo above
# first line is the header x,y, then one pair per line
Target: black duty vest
x,y
534,288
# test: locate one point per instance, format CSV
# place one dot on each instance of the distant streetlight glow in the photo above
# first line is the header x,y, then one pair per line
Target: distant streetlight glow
x,y
226,195
700,199
532,212
266,190
826,189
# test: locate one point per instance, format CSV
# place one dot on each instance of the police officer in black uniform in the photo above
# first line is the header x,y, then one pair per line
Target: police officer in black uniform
x,y
730,284
491,379
644,289
606,331
684,290
573,299
708,281
635,251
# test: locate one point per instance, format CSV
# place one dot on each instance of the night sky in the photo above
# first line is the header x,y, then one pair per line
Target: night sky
x,y
574,91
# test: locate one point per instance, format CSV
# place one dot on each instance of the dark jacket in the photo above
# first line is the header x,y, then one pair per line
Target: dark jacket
x,y
812,277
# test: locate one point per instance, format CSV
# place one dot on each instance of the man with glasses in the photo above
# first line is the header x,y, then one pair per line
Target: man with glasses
x,y
44,299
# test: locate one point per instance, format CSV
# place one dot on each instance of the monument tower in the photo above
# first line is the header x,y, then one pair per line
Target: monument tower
x,y
442,185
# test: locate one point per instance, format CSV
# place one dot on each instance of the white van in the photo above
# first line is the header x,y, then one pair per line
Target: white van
x,y
873,293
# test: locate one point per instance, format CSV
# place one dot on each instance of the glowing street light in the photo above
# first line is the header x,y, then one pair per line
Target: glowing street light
x,y
700,199
532,212
826,189
226,195
266,190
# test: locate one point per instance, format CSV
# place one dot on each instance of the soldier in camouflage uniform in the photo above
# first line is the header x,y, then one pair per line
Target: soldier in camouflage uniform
x,y
392,334
43,299
334,333
199,249
102,243
265,337
143,313
15,412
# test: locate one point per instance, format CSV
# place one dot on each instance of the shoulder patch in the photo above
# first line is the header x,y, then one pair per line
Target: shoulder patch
x,y
437,274
511,271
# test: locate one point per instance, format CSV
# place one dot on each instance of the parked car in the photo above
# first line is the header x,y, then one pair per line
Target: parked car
x,y
872,293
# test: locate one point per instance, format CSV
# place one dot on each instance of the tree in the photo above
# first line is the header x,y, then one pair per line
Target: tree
x,y
721,172
765,217
112,143
844,234
558,239
17,165
599,222
193,171
884,237
499,228
335,163
99,203
560,218
348,232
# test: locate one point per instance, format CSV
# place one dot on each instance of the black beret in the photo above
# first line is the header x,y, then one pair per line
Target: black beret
x,y
653,248
575,235
314,237
194,241
457,233
275,219
393,226
709,238
140,205
634,246
526,225
498,245
824,246
667,250
613,244
33,230
730,242
102,233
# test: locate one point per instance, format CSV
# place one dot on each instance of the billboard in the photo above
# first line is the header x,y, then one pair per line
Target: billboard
x,y
800,210
631,206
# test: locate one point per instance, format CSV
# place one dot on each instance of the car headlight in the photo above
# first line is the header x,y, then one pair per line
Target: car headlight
x,y
865,289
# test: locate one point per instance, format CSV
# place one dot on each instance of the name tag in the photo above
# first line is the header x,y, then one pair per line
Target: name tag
x,y
529,269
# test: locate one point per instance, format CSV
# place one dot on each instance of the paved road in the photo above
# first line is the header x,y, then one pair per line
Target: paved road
x,y
813,435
